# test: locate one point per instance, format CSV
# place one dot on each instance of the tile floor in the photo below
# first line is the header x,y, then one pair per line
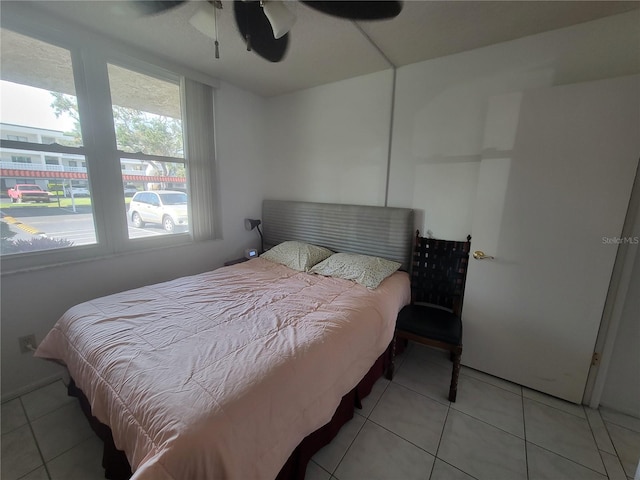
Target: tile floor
x,y
407,429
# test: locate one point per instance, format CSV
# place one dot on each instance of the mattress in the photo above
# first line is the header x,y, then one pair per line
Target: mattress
x,y
222,374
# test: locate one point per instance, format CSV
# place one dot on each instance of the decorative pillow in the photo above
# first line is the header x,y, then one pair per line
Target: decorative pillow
x,y
364,269
297,255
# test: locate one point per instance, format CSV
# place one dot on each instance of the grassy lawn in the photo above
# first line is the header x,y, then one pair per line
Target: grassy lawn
x,y
64,202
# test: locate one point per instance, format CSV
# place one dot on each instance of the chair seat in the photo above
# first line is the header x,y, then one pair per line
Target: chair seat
x,y
434,323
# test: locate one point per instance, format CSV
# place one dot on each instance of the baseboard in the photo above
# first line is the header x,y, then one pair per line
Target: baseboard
x,y
33,386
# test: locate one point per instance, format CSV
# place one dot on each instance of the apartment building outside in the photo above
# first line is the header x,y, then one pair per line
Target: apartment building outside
x,y
19,165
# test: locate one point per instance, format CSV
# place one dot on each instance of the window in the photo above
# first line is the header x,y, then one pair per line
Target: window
x,y
137,144
34,76
17,159
147,120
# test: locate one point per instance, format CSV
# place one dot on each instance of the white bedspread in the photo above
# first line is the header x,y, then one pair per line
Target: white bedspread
x,y
222,374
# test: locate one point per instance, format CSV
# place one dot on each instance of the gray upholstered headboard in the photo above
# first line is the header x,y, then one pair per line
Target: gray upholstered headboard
x,y
379,231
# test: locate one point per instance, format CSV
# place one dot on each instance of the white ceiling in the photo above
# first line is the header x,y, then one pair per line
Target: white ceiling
x,y
324,49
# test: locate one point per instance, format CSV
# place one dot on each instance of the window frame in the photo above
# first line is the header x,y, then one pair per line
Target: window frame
x,y
90,55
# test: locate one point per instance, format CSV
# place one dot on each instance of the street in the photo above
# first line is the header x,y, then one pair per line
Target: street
x,y
62,223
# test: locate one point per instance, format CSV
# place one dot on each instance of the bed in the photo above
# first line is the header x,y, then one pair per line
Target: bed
x,y
244,371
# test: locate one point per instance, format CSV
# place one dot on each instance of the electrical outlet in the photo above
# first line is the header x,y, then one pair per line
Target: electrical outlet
x,y
27,343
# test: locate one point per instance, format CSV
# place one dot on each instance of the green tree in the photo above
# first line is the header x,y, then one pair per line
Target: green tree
x,y
136,131
61,104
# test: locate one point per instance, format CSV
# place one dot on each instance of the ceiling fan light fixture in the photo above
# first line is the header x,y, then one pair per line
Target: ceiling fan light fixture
x,y
279,16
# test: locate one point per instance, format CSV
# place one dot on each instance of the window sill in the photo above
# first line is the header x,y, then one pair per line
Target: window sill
x,y
25,263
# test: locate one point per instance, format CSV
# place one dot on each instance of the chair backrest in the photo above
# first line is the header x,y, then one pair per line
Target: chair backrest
x,y
439,272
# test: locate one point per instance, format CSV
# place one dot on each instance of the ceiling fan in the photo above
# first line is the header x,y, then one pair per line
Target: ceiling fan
x,y
265,24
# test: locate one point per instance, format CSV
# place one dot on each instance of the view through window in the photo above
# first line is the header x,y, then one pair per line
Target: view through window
x,y
148,125
42,161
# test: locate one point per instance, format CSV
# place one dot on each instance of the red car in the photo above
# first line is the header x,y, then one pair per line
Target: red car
x,y
25,192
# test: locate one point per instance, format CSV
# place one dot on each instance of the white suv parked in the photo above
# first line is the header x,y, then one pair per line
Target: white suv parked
x,y
166,207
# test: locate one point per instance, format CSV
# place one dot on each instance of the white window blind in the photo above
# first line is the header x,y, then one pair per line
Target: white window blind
x,y
200,152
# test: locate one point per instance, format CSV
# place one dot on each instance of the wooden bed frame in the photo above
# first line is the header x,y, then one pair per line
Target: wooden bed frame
x,y
379,231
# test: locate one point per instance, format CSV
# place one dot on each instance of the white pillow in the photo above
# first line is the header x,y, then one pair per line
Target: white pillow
x,y
364,269
297,255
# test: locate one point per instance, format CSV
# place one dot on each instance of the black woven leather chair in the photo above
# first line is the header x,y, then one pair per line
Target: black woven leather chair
x,y
438,276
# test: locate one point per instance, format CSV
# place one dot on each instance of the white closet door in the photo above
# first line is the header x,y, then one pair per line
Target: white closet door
x,y
555,181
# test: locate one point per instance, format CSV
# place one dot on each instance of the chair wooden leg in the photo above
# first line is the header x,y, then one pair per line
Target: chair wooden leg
x,y
453,389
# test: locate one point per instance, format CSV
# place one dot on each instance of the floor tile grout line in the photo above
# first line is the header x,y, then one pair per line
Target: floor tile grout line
x,y
40,417
435,455
407,440
401,437
557,453
476,378
69,400
492,384
456,467
618,425
441,364
16,428
29,473
615,449
489,423
567,458
441,435
319,466
472,378
444,403
31,390
379,398
604,464
35,439
72,447
350,444
394,380
441,402
555,408
90,434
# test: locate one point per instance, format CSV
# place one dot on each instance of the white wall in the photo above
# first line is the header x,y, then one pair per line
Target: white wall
x,y
240,134
442,105
330,143
33,301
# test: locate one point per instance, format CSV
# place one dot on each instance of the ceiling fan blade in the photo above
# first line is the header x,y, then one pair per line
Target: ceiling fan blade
x,y
357,10
153,7
256,30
